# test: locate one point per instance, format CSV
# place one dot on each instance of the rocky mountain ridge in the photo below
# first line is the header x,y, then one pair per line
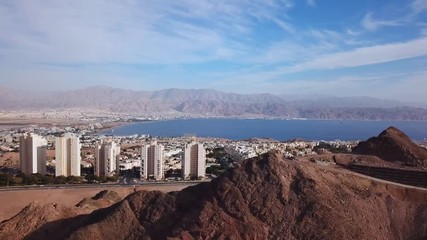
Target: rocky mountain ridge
x,y
207,102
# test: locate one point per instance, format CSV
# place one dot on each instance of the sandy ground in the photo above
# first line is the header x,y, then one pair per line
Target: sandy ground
x,y
9,159
11,202
8,123
13,123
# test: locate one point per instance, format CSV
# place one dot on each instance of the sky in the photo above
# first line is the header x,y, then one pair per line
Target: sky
x,y
343,48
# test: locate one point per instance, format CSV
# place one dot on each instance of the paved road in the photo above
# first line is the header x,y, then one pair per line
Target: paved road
x,y
75,186
333,166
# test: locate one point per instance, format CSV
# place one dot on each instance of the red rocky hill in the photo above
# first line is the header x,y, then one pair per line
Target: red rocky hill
x,y
394,146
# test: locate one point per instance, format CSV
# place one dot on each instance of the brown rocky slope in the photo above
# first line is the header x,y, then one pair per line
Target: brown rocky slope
x,y
34,216
37,214
100,200
394,146
265,198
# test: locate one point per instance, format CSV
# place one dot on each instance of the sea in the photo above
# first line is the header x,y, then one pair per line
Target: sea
x,y
241,129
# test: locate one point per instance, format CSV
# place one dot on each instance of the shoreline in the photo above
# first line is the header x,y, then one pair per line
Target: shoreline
x,y
108,127
280,130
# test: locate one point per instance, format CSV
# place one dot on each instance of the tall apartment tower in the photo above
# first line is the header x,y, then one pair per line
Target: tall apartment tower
x,y
67,155
193,161
32,154
107,154
152,161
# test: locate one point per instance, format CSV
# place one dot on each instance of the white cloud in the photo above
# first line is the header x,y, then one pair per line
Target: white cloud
x,y
419,6
327,37
284,25
131,31
304,46
365,56
352,32
371,24
48,38
276,80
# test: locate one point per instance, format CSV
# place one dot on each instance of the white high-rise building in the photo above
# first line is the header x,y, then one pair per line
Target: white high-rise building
x,y
193,161
32,154
107,154
152,161
67,155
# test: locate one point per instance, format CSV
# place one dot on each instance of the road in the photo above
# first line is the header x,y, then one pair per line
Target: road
x,y
77,186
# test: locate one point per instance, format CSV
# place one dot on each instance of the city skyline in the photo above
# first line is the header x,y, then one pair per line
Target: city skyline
x,y
364,48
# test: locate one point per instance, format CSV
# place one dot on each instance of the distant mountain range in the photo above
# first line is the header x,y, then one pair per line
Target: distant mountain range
x,y
207,102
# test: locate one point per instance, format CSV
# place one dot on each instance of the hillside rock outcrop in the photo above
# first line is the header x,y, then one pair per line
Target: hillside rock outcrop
x,y
35,216
102,199
45,217
395,146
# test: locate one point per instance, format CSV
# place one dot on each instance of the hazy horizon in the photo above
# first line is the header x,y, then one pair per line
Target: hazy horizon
x,y
285,97
283,47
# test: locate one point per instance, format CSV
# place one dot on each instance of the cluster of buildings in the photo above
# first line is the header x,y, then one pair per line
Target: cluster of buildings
x,y
32,155
32,149
65,150
193,161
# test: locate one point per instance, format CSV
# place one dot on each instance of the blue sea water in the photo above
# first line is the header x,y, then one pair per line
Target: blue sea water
x,y
238,129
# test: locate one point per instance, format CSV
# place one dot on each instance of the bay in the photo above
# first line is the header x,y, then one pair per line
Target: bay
x,y
238,129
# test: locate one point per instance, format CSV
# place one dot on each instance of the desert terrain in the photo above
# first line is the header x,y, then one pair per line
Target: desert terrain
x,y
11,202
19,122
9,160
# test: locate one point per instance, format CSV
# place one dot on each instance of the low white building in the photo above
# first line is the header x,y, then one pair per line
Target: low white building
x,y
129,164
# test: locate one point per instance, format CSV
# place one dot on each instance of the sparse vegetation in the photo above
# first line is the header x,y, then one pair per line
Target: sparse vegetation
x,y
331,148
224,160
38,179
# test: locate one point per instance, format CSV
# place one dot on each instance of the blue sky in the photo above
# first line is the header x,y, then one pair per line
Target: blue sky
x,y
344,48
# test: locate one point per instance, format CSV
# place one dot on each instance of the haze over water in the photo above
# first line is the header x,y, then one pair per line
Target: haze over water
x,y
238,129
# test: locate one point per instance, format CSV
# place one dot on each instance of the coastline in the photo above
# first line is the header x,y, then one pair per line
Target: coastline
x,y
240,129
108,126
17,123
13,123
231,128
